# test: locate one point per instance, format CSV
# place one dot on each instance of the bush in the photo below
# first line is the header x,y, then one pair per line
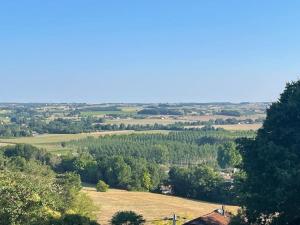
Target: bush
x,y
127,217
102,186
73,220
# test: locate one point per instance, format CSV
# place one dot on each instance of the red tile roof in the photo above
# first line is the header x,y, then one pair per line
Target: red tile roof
x,y
213,218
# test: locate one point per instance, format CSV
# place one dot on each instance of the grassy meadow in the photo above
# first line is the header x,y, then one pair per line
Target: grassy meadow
x,y
52,142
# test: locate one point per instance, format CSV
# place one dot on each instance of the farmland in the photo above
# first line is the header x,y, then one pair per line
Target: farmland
x,y
19,120
255,126
52,142
136,149
148,204
145,121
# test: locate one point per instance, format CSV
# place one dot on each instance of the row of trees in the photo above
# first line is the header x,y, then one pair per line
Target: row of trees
x,y
176,148
160,111
14,130
226,112
117,171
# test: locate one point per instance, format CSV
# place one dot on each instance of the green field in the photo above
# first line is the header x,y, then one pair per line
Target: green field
x,y
52,142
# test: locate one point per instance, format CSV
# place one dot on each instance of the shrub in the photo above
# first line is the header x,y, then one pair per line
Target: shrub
x,y
127,217
102,186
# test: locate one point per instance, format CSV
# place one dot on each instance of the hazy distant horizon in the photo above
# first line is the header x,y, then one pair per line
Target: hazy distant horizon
x,y
61,95
132,103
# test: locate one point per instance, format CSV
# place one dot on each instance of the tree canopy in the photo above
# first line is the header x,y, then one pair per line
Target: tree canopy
x,y
33,194
271,162
127,218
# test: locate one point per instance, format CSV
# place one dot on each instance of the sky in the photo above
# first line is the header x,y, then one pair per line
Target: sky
x,y
147,50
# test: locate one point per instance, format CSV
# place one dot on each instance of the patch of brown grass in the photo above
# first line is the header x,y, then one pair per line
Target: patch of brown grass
x,y
153,207
240,126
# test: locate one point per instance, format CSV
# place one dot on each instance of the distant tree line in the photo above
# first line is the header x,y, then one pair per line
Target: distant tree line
x,y
100,108
91,124
226,112
160,111
27,121
14,130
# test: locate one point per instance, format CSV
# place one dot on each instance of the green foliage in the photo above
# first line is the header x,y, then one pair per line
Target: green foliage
x,y
159,111
102,186
71,185
29,152
200,182
82,205
33,194
272,164
147,183
133,162
239,219
229,113
127,218
228,155
73,220
27,199
181,148
116,171
14,130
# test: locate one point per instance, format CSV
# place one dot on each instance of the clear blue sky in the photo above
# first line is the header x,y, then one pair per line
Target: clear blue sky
x,y
147,50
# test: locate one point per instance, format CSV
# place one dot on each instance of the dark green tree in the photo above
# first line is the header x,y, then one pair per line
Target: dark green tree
x,y
27,200
73,220
271,161
228,155
201,182
127,218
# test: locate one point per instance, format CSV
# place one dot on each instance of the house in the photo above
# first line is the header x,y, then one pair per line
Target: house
x,y
228,177
217,217
166,189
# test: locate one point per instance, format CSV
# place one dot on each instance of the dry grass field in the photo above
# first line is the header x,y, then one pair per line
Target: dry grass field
x,y
154,207
214,117
4,144
234,127
240,126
